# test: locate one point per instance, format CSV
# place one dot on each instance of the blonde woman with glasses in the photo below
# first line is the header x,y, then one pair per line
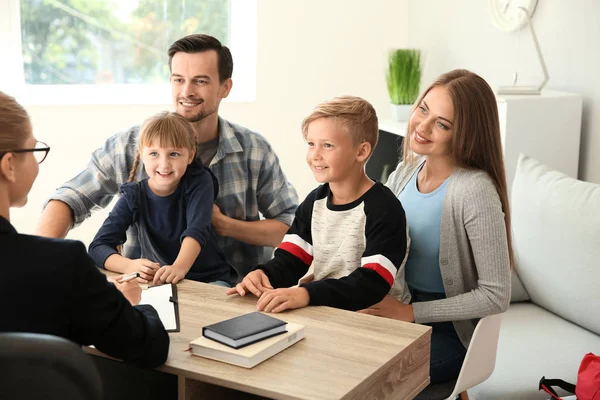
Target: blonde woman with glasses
x,y
52,286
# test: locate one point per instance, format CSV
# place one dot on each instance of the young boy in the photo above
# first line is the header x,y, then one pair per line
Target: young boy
x,y
351,229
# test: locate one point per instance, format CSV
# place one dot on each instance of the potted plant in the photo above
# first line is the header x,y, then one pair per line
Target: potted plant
x,y
403,80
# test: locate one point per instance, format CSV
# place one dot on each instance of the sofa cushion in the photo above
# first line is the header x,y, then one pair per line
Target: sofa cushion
x,y
533,343
556,228
517,291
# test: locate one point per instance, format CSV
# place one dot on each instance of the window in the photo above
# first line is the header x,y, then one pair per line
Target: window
x,y
101,50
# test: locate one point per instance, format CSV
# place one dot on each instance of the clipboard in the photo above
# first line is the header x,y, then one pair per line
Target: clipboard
x,y
164,299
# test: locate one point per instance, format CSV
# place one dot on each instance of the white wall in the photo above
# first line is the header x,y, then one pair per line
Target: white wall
x,y
460,34
311,50
308,51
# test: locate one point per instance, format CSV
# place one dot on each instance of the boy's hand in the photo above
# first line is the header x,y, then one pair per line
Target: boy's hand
x,y
279,300
146,268
169,274
130,289
256,282
307,279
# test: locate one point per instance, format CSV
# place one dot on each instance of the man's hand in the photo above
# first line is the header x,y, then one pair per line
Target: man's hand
x,y
146,268
279,300
256,282
56,220
169,274
219,221
264,232
389,307
130,289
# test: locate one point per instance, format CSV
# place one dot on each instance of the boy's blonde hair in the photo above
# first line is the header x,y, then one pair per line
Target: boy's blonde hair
x,y
168,129
355,114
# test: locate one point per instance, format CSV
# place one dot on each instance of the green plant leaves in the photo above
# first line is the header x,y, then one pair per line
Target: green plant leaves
x,y
404,75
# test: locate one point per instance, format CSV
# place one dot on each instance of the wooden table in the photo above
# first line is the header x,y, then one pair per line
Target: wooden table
x,y
344,355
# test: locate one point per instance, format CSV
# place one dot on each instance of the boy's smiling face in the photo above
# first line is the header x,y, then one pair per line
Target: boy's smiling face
x,y
332,155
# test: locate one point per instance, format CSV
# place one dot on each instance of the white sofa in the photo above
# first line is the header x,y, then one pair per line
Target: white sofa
x,y
554,316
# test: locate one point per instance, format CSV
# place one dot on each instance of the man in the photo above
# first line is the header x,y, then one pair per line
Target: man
x,y
248,170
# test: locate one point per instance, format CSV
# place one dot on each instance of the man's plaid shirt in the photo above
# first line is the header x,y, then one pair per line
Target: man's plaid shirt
x,y
250,181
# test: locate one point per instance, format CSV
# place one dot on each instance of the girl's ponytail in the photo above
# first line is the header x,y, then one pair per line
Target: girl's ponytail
x,y
136,162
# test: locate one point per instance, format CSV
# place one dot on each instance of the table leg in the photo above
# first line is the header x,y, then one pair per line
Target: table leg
x,y
189,389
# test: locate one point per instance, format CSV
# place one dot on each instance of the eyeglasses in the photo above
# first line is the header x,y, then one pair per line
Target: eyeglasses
x,y
40,151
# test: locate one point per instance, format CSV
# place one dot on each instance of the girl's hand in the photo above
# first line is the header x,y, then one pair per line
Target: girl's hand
x,y
169,274
146,268
256,282
279,300
389,307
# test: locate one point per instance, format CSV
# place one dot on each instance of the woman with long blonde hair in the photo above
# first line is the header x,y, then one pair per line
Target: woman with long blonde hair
x,y
452,185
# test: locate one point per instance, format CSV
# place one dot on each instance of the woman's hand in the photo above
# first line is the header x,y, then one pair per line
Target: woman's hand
x,y
130,289
389,307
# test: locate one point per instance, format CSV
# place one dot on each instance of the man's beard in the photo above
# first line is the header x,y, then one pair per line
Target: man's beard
x,y
197,117
201,115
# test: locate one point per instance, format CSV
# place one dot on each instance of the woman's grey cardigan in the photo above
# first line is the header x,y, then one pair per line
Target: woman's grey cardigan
x,y
473,250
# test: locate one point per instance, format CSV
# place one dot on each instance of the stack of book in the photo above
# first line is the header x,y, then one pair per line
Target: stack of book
x,y
246,340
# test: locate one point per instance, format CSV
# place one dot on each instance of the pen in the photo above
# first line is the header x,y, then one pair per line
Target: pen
x,y
127,278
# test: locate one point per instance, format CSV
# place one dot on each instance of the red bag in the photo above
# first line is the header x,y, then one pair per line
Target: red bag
x,y
588,381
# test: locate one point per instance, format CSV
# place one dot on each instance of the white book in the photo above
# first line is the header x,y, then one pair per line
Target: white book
x,y
164,299
251,355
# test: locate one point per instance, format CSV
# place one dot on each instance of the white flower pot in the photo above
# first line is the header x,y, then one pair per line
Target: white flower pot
x,y
401,112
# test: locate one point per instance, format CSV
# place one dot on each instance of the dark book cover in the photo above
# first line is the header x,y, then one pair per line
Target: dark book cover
x,y
244,326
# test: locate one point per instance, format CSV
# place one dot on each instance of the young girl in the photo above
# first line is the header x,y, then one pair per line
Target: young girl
x,y
172,210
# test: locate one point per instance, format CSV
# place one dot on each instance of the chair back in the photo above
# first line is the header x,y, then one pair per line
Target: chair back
x,y
39,366
480,359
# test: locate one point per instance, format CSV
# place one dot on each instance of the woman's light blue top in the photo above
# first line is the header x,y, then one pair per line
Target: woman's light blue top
x,y
424,216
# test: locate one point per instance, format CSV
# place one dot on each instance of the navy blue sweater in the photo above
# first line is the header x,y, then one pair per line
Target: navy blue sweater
x,y
163,223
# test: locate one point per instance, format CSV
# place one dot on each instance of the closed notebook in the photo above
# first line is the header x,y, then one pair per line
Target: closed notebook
x,y
244,330
251,355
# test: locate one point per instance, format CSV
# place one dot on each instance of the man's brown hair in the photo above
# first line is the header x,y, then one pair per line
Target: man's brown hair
x,y
198,43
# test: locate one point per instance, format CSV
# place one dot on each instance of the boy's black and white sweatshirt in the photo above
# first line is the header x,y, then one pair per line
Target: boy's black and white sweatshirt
x,y
358,250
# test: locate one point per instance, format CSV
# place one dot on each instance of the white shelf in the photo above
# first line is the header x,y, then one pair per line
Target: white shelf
x,y
546,94
397,128
546,127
